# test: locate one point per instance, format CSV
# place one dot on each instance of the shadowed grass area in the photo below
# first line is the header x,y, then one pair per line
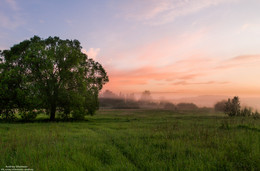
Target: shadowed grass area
x,y
134,140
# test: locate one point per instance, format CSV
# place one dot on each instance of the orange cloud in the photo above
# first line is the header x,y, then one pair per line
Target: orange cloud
x,y
191,75
239,61
246,58
158,52
198,83
145,75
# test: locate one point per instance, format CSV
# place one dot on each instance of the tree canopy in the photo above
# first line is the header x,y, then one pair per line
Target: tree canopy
x,y
49,74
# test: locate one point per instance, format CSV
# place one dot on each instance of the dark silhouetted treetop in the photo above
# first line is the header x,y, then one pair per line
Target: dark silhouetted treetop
x,y
146,96
232,107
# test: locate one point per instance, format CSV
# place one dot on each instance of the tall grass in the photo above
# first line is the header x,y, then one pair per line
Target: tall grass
x,y
134,140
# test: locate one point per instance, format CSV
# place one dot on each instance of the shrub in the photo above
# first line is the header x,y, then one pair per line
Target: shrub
x,y
169,106
256,115
220,106
28,116
186,106
232,107
64,115
8,115
246,112
249,112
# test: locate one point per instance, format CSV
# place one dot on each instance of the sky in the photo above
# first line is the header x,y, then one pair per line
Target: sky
x,y
178,47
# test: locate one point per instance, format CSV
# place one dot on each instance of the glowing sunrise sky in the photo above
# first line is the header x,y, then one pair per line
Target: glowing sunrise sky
x,y
193,47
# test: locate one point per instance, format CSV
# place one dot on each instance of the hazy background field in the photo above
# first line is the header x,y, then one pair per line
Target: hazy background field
x,y
203,100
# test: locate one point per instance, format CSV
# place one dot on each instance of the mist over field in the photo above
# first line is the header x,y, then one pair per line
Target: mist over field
x,y
211,100
199,100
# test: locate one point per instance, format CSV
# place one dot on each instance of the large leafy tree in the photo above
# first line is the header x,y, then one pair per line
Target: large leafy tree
x,y
50,74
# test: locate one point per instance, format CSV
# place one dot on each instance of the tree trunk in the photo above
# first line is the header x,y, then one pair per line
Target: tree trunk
x,y
53,111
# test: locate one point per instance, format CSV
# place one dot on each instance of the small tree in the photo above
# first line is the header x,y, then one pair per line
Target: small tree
x,y
246,111
232,107
146,96
169,106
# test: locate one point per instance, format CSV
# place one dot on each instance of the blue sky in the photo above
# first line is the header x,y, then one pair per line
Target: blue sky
x,y
185,46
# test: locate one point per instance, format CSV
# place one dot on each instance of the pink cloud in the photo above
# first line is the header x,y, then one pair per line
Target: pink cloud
x,y
246,58
159,52
198,83
15,19
239,61
92,52
199,75
12,4
145,75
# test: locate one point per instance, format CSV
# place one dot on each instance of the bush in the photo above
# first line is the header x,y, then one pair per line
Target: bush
x,y
7,115
169,106
246,112
220,106
232,107
186,106
28,116
249,112
64,115
256,115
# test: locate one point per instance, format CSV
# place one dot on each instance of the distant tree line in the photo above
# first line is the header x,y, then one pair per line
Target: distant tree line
x,y
108,99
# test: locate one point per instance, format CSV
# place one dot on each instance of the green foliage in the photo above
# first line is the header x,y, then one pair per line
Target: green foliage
x,y
8,115
50,74
225,125
28,115
232,107
78,113
91,101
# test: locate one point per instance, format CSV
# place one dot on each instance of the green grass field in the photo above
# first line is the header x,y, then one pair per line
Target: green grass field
x,y
134,140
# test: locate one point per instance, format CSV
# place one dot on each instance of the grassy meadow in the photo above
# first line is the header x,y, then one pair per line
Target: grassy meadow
x,y
134,140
